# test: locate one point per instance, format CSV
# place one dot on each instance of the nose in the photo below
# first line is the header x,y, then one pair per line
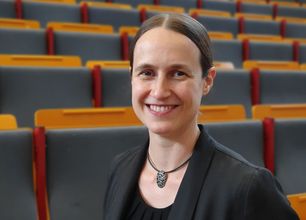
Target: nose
x,y
160,88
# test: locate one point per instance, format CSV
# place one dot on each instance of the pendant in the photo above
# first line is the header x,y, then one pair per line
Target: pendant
x,y
161,178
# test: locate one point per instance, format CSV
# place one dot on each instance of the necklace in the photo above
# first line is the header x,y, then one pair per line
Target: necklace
x,y
162,176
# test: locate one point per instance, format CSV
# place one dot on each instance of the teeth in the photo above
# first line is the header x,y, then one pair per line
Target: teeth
x,y
159,108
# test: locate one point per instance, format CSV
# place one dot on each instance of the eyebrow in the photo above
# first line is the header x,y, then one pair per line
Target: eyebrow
x,y
144,66
174,66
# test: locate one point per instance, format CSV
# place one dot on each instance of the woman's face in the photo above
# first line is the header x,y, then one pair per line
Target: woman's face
x,y
167,83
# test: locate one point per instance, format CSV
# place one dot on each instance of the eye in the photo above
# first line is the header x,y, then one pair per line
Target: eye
x,y
146,74
179,74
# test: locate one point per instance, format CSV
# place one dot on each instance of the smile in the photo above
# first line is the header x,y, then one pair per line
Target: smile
x,y
161,109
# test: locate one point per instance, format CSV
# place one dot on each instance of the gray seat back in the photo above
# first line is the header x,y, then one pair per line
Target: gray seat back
x,y
248,7
290,154
270,51
17,200
78,162
302,53
116,87
295,30
222,24
22,41
228,6
24,90
180,3
231,87
88,46
286,11
46,12
228,50
282,87
262,27
245,138
105,16
134,3
7,9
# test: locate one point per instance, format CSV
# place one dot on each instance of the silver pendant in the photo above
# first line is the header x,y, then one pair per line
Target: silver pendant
x,y
161,178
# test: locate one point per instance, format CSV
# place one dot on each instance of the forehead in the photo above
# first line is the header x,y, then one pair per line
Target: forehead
x,y
165,45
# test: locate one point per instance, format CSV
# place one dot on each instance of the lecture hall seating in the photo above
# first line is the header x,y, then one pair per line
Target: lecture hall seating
x,y
26,89
225,92
46,12
76,163
17,200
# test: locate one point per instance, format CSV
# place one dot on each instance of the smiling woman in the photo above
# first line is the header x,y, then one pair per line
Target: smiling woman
x,y
181,172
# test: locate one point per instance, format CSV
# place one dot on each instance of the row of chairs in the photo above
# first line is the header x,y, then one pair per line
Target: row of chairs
x,y
125,116
115,46
27,89
234,27
71,164
99,12
33,10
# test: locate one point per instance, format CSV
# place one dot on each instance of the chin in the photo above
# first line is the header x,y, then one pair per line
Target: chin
x,y
160,128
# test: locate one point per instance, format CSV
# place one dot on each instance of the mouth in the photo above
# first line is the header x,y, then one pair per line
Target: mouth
x,y
160,109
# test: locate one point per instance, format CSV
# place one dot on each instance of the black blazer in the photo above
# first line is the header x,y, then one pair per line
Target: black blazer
x,y
219,184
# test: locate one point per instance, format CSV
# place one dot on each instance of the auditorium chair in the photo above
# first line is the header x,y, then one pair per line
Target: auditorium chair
x,y
279,111
228,6
7,121
295,30
181,3
269,51
124,15
282,87
220,23
250,26
17,200
89,46
255,8
225,93
243,137
147,11
77,164
23,41
229,51
134,3
285,11
26,89
7,9
290,152
302,53
46,12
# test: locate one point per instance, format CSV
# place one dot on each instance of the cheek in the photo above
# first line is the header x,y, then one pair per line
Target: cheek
x,y
191,92
138,90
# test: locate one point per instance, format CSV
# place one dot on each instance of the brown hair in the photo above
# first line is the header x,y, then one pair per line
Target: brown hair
x,y
182,24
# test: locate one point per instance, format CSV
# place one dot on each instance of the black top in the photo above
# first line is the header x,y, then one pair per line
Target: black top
x,y
140,210
219,184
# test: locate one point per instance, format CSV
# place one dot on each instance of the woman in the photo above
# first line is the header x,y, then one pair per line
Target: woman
x,y
181,172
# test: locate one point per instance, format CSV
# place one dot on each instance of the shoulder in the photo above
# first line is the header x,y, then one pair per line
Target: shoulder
x,y
122,160
258,194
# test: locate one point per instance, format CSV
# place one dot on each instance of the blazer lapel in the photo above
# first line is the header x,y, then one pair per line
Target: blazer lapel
x,y
193,181
127,183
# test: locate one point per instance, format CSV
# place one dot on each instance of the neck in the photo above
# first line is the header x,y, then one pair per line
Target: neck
x,y
169,152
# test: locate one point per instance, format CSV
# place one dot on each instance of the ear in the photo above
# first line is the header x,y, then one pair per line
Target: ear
x,y
209,80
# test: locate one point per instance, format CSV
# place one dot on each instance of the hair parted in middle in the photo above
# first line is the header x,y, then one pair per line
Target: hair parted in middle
x,y
184,25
